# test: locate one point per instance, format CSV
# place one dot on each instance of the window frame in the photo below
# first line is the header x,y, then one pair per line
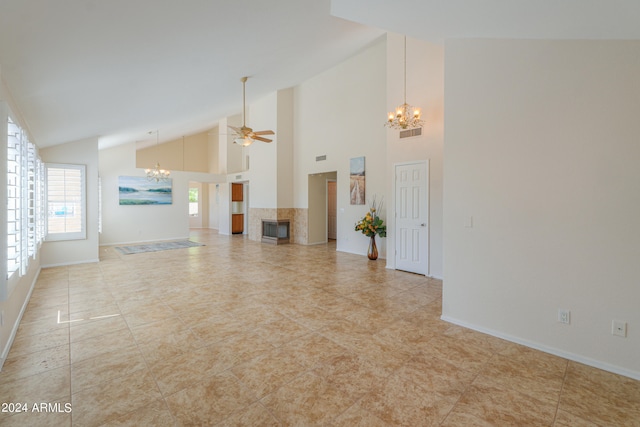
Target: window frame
x,y
68,235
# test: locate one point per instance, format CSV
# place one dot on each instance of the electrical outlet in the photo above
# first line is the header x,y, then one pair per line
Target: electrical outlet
x,y
619,328
564,316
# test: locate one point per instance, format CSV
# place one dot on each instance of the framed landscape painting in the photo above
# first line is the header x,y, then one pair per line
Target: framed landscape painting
x,y
138,190
357,181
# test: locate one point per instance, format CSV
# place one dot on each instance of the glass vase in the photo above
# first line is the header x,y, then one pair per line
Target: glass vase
x,y
372,253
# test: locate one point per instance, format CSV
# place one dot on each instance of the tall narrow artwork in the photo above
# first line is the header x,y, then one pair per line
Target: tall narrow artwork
x,y
137,190
357,181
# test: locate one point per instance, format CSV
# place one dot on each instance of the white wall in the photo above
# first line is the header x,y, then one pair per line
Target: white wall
x,y
83,152
214,206
285,144
234,152
340,113
264,156
542,152
129,224
224,208
425,89
213,150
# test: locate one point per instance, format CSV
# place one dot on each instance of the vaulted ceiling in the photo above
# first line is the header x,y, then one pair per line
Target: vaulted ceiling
x,y
117,69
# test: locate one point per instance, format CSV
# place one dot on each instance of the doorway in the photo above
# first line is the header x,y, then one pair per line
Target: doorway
x,y
332,209
318,219
198,204
412,217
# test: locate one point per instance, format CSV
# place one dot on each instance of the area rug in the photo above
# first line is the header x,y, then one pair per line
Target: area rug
x,y
155,247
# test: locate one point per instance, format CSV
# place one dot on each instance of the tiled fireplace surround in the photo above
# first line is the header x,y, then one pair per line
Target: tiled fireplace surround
x,y
298,221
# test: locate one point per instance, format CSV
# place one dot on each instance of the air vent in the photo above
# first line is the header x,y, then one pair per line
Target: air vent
x,y
410,132
238,176
321,158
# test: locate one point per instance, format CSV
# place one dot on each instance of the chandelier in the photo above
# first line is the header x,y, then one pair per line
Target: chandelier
x,y
156,174
405,115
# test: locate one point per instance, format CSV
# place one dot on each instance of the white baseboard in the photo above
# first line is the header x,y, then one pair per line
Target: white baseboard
x,y
551,350
64,264
14,329
358,253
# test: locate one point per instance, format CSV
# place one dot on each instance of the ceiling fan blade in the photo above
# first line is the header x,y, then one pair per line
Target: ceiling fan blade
x,y
264,132
259,138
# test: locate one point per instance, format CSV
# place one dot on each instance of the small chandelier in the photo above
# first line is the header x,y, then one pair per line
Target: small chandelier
x,y
405,115
156,174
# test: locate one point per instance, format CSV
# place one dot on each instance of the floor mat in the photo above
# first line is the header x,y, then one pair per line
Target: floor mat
x,y
155,247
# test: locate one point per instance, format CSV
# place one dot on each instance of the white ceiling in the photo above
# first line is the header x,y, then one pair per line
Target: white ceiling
x,y
437,20
120,68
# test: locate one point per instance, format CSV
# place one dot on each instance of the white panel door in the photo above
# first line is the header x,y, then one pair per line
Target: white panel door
x,y
412,217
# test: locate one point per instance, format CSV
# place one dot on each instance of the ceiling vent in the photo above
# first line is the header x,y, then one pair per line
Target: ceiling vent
x,y
410,132
321,158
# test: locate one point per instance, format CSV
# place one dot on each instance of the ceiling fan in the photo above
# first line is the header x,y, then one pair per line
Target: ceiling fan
x,y
245,136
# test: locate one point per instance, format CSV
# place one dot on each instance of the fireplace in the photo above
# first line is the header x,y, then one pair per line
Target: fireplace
x,y
275,231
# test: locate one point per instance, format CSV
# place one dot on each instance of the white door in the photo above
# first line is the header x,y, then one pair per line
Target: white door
x,y
332,217
412,217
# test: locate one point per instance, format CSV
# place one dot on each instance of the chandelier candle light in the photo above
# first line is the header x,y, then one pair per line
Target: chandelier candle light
x,y
156,174
405,116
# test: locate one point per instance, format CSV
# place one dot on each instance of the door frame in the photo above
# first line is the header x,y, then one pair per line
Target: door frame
x,y
426,164
327,206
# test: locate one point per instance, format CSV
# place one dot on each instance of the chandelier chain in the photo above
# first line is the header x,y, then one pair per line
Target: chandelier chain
x,y
156,174
405,115
405,69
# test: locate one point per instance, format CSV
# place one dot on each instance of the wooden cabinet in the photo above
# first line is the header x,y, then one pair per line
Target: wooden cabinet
x,y
237,217
237,192
237,223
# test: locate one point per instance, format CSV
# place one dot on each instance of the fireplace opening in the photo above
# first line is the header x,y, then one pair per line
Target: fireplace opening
x,y
275,231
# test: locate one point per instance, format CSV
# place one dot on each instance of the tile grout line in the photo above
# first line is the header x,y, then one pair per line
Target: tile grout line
x,y
148,368
564,380
466,389
69,332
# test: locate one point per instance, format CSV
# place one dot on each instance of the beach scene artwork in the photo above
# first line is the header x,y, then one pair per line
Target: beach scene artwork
x,y
357,181
137,190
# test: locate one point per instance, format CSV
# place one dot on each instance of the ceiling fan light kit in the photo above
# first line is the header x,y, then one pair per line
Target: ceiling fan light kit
x,y
245,136
243,141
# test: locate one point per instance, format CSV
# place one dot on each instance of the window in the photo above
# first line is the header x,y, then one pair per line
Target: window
x,y
193,202
66,201
14,197
25,200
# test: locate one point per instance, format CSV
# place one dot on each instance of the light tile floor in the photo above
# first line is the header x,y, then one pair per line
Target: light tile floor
x,y
241,333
